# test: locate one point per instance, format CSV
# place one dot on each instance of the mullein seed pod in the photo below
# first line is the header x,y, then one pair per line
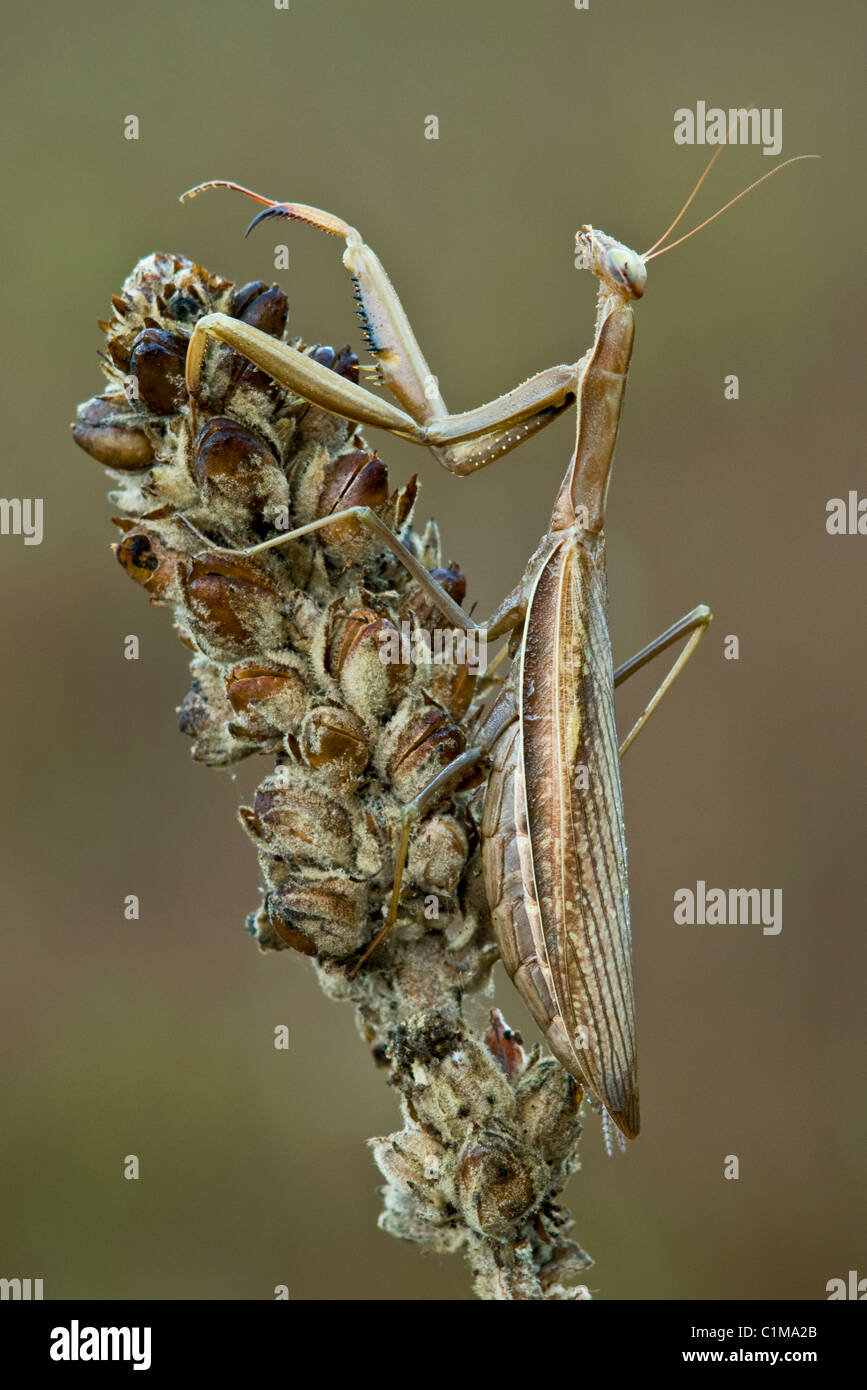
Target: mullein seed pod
x,y
419,603
325,917
453,685
548,1101
205,717
404,502
358,641
267,700
262,306
497,1186
438,853
333,740
157,364
106,430
356,479
238,474
302,822
149,562
304,620
233,607
417,744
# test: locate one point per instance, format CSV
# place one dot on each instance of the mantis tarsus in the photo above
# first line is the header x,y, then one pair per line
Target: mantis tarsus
x,y
553,841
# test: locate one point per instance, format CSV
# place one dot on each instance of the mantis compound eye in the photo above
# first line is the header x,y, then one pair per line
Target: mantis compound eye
x,y
626,269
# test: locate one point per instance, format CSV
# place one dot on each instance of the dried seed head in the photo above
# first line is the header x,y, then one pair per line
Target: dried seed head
x,y
290,659
233,608
334,740
325,917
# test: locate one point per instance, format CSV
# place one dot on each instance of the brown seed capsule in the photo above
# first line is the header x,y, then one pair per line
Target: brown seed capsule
x,y
268,699
346,364
149,562
548,1101
157,362
103,432
302,822
416,746
234,609
324,356
325,917
497,1188
360,654
356,479
261,306
204,717
234,465
346,630
334,741
438,852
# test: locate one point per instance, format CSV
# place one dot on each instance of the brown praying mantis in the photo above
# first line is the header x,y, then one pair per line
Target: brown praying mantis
x,y
552,829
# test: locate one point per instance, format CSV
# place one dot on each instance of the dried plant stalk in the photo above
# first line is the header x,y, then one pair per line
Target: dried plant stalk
x,y
287,663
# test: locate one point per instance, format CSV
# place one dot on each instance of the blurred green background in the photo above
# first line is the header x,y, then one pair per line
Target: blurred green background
x,y
155,1037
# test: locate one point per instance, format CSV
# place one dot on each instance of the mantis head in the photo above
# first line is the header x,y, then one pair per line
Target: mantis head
x,y
621,270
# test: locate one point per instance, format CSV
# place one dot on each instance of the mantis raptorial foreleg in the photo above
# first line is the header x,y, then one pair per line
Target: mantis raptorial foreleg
x,y
462,443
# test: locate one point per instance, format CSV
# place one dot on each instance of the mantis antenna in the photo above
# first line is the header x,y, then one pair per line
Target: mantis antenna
x,y
651,253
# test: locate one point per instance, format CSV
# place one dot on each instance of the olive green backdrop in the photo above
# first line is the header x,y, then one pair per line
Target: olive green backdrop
x,y
155,1038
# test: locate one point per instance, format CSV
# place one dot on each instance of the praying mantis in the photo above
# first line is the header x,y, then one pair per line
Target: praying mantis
x,y
552,828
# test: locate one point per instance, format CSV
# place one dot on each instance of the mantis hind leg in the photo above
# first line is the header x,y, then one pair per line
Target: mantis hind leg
x,y
692,625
